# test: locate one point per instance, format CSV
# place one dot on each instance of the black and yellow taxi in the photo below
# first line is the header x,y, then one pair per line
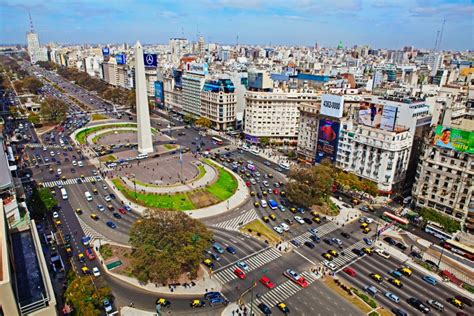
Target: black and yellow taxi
x,y
283,308
197,303
94,217
315,214
282,193
264,193
252,193
256,204
396,282
63,178
293,209
81,258
406,271
163,302
78,211
58,223
317,220
327,256
82,177
95,191
368,251
366,230
377,277
85,270
208,262
265,219
364,225
272,216
333,253
457,303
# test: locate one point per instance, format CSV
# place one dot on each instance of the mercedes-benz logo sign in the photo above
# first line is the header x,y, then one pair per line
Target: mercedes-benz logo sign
x,y
149,59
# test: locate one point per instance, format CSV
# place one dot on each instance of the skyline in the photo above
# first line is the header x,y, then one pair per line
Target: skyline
x,y
298,22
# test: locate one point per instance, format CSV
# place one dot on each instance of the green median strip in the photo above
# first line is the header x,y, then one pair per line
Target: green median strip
x,y
258,229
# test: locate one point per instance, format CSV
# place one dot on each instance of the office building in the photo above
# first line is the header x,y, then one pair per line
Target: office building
x,y
192,83
219,102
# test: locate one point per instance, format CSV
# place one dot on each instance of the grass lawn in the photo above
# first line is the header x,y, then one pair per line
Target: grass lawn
x,y
178,201
82,135
354,300
169,146
98,117
260,230
108,158
225,185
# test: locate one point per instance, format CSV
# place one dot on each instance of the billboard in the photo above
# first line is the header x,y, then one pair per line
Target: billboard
x,y
150,60
178,79
159,94
451,138
197,68
389,116
332,105
120,59
105,51
328,138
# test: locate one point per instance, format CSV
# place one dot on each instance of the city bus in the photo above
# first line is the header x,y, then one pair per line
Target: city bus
x,y
218,141
273,205
460,249
436,230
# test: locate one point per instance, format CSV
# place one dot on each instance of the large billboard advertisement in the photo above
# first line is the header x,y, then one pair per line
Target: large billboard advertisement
x,y
378,115
120,59
159,94
389,116
197,68
328,138
451,138
332,105
105,51
150,60
178,79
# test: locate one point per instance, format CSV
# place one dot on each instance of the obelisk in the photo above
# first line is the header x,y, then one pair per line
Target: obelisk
x,y
145,143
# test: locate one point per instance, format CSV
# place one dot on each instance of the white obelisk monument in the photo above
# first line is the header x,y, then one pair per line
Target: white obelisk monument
x,y
145,143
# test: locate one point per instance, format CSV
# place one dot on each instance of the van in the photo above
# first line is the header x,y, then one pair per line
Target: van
x,y
88,196
64,194
142,156
284,165
372,290
263,203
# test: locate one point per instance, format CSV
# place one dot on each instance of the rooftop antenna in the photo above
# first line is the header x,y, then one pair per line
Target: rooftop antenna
x,y
437,38
31,23
441,34
182,32
237,40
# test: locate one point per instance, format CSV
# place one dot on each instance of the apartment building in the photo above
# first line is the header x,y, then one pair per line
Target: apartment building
x,y
192,83
308,131
219,102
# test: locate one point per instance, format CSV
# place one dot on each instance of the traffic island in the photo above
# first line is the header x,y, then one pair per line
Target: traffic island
x,y
258,229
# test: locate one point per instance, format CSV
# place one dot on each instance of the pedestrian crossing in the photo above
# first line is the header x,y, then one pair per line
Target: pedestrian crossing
x,y
227,274
56,183
322,231
236,222
38,145
90,232
349,257
281,293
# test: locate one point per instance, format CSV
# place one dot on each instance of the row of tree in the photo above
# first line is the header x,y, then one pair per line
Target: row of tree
x,y
167,245
41,202
28,84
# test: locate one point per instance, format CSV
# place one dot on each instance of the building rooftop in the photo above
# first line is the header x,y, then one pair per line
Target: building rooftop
x,y
5,175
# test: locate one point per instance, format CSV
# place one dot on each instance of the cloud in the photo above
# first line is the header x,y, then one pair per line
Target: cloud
x,y
445,10
169,14
290,17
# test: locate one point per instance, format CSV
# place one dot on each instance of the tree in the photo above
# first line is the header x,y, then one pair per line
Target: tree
x,y
53,110
264,141
204,122
166,245
189,119
40,202
34,118
85,296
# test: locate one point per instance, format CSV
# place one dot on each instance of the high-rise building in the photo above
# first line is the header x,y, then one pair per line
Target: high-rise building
x,y
201,45
193,81
36,52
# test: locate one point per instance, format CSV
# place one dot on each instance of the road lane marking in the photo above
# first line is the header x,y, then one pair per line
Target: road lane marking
x,y
312,262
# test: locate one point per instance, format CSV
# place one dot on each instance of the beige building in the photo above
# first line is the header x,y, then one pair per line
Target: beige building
x,y
219,102
308,131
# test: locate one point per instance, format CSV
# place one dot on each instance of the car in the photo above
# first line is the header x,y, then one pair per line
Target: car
x,y
295,242
289,221
127,208
401,246
295,277
416,303
345,235
406,271
242,265
396,274
285,227
313,231
266,281
107,198
337,241
209,263
239,273
80,257
399,312
329,265
281,208
436,305
390,241
265,219
94,217
122,210
315,238
100,207
265,309
117,215
110,207
299,219
197,303
67,238
278,229
464,300
248,184
111,224
367,251
327,256
350,271
96,272
382,253
307,220
392,297
416,255
368,241
55,215
163,302
283,308
328,241
90,254
396,282
215,256
272,217
217,248
429,279
309,244
112,196
377,277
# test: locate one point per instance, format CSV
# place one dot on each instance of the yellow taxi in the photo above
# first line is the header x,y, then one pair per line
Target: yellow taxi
x,y
197,303
273,217
315,214
368,251
376,277
94,217
293,209
58,223
264,193
406,272
63,178
327,256
364,225
80,257
85,270
78,211
282,193
208,263
95,191
163,302
317,220
366,230
82,176
456,302
396,282
283,308
333,253
256,204
252,193
265,219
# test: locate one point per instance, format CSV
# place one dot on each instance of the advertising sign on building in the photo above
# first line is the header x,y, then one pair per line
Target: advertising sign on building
x,y
451,138
120,59
197,68
150,60
389,116
159,94
178,79
105,51
328,139
332,105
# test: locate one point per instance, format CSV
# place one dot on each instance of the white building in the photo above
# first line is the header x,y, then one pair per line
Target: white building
x,y
36,52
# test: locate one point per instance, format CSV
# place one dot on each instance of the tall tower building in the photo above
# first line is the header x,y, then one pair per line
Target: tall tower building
x,y
201,43
34,50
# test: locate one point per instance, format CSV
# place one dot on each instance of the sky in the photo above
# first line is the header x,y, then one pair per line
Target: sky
x,y
378,23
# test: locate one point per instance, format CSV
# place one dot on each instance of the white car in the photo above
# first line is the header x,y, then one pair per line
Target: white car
x,y
96,271
80,164
285,227
107,198
299,219
369,220
243,266
51,153
329,265
382,253
278,229
59,171
104,187
74,163
55,215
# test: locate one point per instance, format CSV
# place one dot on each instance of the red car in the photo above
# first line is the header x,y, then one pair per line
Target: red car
x,y
266,281
90,254
276,191
122,210
241,274
350,271
247,184
295,277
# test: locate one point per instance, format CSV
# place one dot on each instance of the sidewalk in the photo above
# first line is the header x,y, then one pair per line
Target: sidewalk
x,y
346,215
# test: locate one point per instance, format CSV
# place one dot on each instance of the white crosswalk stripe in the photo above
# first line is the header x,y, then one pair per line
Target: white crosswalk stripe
x,y
90,232
280,293
349,256
68,181
262,258
236,222
38,145
322,231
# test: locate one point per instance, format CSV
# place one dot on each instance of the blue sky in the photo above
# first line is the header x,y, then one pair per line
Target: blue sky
x,y
379,23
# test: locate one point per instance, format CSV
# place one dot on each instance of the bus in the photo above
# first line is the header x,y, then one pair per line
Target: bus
x,y
218,141
460,249
64,194
273,205
436,230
